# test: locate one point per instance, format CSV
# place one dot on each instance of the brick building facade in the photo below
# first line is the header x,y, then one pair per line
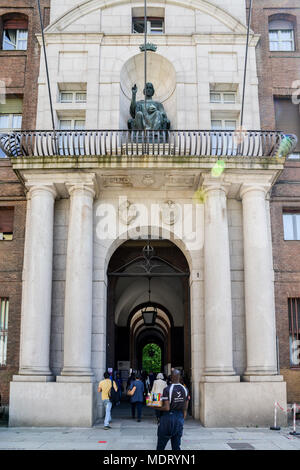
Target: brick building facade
x,y
278,62
19,68
277,71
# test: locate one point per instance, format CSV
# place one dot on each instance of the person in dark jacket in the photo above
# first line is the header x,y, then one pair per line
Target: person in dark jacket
x,y
175,404
136,393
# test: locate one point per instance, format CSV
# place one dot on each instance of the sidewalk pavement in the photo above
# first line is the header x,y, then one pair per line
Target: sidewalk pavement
x,y
128,434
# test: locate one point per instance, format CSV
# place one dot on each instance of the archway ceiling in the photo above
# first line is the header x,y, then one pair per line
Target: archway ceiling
x,y
146,336
131,292
159,325
161,314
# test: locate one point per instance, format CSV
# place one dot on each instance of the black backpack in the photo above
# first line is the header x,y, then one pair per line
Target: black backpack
x,y
114,396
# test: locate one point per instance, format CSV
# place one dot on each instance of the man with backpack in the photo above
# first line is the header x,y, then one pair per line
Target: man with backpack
x,y
175,404
109,394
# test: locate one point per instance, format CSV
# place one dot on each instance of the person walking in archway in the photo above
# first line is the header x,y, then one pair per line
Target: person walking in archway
x,y
136,393
104,388
158,387
175,404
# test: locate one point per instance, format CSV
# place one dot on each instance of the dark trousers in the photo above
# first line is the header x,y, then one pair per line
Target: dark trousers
x,y
170,427
137,405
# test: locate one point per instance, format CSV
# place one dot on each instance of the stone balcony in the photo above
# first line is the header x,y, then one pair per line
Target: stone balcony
x,y
119,143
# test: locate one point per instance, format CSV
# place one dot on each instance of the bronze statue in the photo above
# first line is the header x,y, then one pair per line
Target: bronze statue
x,y
153,117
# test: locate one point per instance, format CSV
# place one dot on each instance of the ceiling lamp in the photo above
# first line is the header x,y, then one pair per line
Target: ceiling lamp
x,y
149,313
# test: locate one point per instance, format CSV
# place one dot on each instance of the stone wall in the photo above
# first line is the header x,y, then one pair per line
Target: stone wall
x,y
276,73
19,71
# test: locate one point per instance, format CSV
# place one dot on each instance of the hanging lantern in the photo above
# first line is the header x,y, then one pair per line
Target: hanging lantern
x,y
149,316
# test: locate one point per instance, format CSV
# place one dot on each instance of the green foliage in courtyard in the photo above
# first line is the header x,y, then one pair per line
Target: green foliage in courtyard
x,y
152,358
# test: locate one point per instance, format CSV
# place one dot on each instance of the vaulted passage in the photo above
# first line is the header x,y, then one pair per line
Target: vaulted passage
x,y
148,303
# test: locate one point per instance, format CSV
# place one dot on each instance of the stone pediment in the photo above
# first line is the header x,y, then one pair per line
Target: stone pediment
x,y
74,15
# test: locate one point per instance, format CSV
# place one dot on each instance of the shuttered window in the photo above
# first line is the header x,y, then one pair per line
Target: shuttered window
x,y
15,33
291,226
6,223
294,326
287,117
4,305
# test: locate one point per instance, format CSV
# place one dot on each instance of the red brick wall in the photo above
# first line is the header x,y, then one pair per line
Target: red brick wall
x,y
19,70
276,73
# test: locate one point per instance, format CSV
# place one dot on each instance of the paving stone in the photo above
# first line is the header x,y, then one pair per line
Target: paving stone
x,y
129,435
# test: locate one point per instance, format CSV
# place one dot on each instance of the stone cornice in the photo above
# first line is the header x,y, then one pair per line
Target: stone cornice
x,y
71,38
225,39
136,40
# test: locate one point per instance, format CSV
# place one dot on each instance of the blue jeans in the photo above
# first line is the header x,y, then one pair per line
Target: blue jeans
x,y
107,406
170,427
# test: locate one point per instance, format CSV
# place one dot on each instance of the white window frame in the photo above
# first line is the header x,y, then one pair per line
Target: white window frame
x,y
4,311
11,122
222,96
280,41
76,144
11,128
294,156
73,124
218,141
18,40
150,28
74,97
291,220
223,124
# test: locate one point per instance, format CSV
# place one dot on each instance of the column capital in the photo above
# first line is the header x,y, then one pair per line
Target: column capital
x,y
215,184
247,188
81,188
36,189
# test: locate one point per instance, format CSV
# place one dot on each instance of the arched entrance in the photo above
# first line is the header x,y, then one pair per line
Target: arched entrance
x,y
148,277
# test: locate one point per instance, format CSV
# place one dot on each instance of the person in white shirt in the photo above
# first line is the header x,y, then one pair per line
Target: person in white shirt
x,y
158,387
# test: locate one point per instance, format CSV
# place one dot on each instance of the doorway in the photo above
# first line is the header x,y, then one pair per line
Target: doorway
x,y
148,278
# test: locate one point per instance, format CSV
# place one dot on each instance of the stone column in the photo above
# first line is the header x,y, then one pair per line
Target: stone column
x,y
37,286
78,291
259,287
217,285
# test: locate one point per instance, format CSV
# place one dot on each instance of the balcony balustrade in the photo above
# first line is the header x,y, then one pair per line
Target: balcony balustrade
x,y
182,143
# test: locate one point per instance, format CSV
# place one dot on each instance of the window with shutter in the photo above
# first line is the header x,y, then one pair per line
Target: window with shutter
x,y
15,32
6,223
4,305
287,117
294,327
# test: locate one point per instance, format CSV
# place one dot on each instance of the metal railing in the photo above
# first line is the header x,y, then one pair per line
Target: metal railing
x,y
185,143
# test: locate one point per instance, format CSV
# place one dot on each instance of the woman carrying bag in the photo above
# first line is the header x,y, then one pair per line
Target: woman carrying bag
x,y
158,387
136,393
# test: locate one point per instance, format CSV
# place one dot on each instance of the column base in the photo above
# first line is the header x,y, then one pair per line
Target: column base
x,y
75,378
30,371
33,378
262,378
242,404
260,371
215,372
77,372
220,378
